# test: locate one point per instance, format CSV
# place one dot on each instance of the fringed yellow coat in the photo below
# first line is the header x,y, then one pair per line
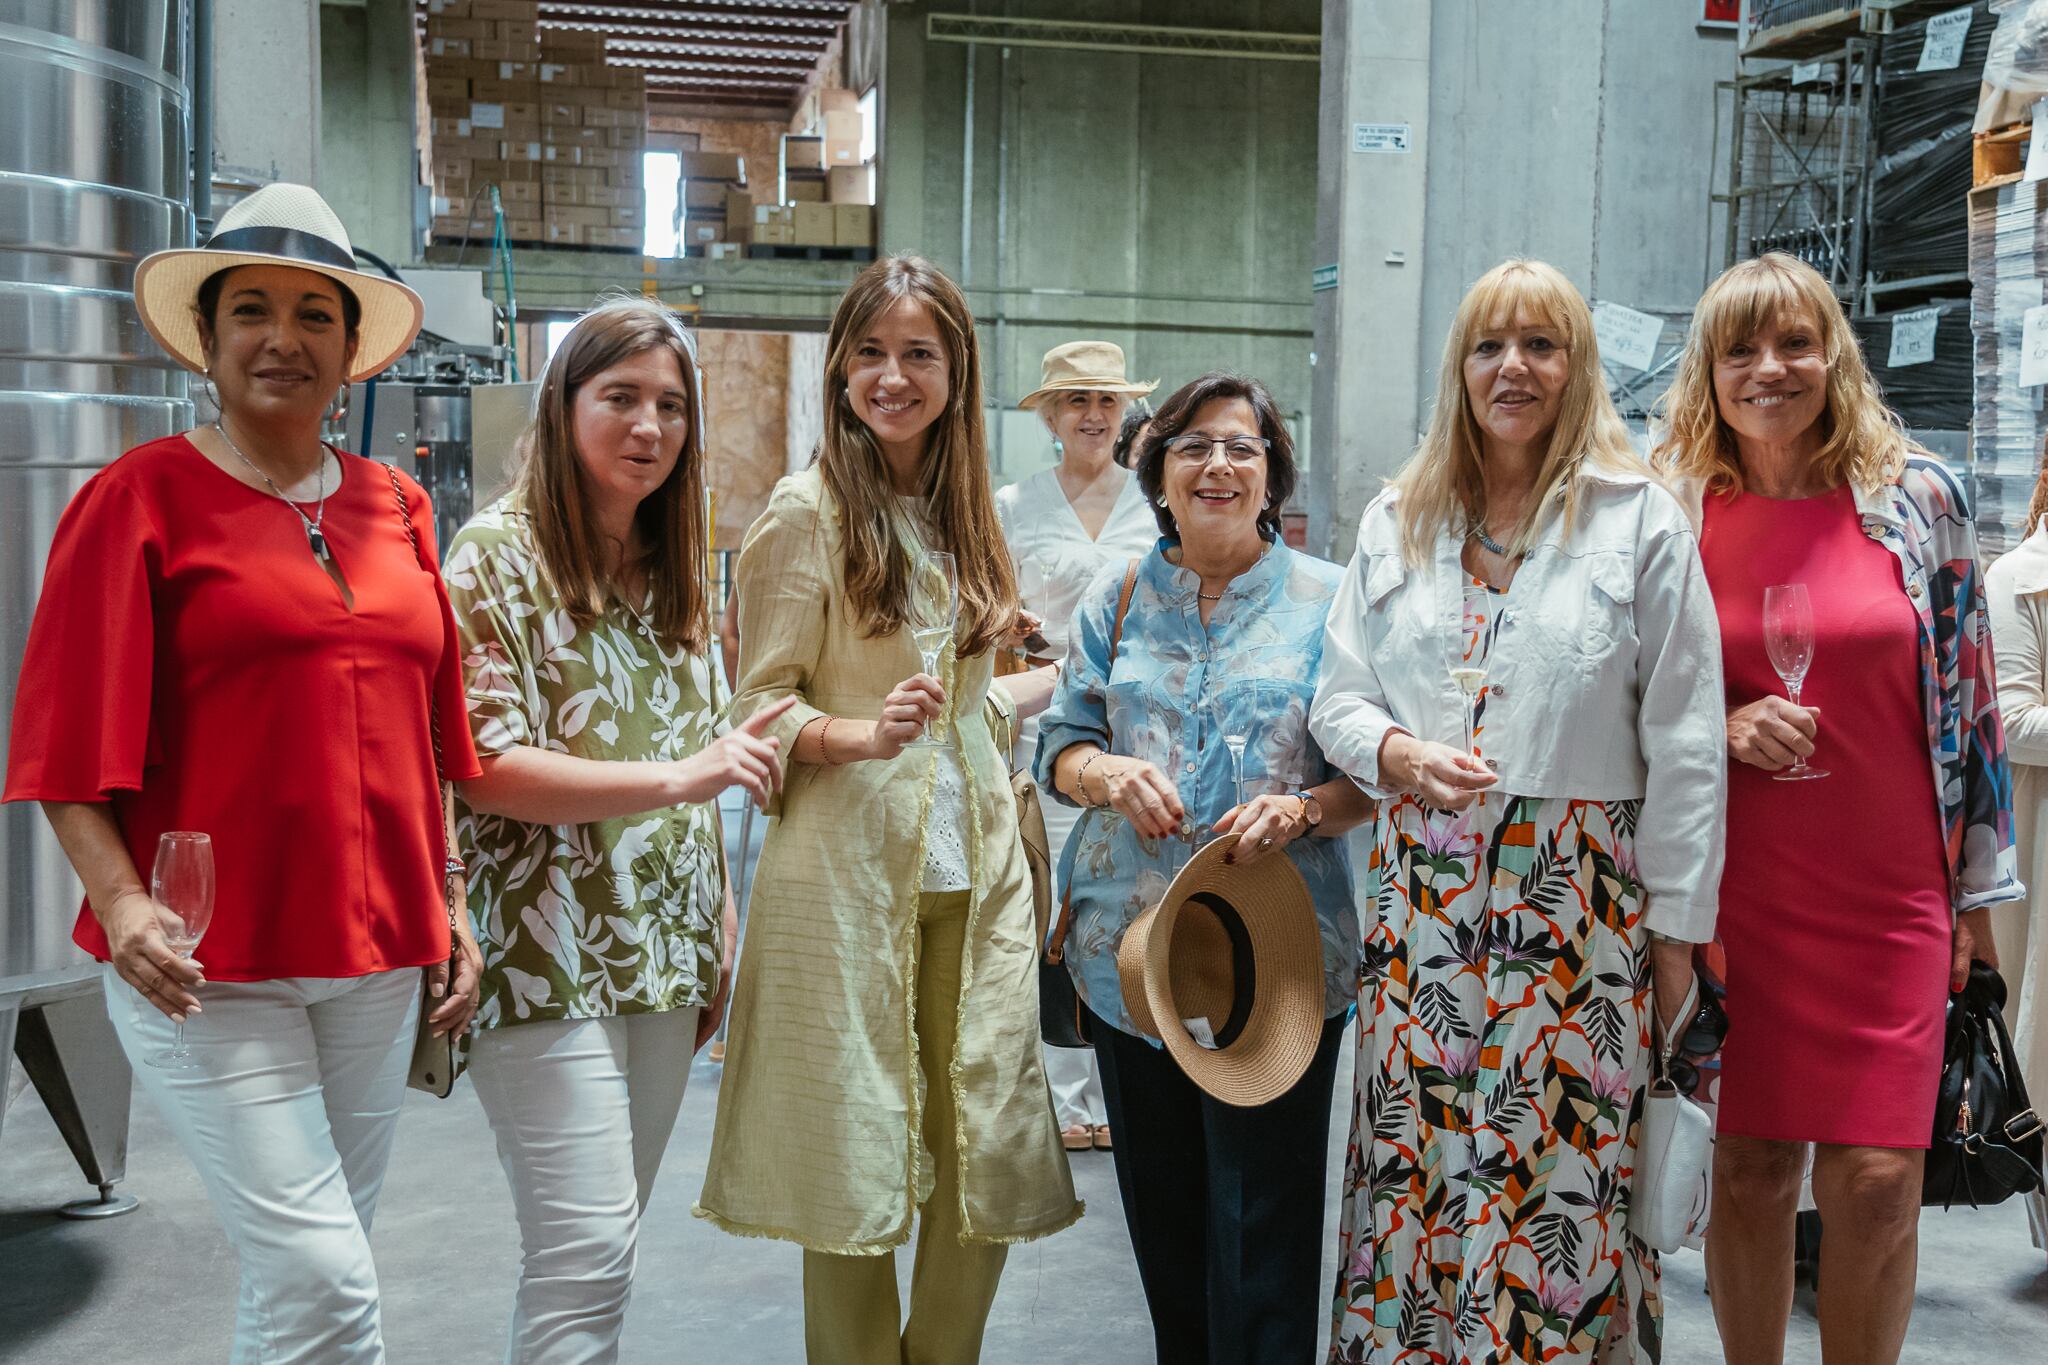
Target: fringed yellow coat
x,y
819,1113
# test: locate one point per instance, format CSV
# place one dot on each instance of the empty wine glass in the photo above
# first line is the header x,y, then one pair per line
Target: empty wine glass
x,y
934,605
181,884
1788,639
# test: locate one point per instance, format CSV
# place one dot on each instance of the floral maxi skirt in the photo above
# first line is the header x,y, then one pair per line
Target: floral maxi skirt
x,y
1504,1016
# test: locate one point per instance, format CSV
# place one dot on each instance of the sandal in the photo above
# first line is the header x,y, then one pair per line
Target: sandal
x,y
1078,1138
1102,1137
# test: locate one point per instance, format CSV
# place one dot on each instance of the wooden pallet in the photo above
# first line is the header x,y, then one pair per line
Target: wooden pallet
x,y
1999,152
483,241
1828,30
775,251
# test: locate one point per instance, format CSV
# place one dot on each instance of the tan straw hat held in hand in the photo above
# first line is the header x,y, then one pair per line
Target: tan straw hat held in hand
x,y
1097,366
280,224
1237,949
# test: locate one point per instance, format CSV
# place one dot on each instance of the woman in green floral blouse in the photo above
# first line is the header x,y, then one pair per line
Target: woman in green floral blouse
x,y
596,867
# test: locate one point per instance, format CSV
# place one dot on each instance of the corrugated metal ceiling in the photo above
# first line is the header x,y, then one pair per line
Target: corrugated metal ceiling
x,y
712,54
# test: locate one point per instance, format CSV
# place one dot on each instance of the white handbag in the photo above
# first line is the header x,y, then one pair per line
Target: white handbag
x,y
1674,1158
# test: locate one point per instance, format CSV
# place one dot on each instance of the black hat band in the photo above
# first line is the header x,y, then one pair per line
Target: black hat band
x,y
278,241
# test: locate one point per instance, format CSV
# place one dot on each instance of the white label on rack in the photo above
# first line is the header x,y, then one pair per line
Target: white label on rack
x,y
1627,337
2037,145
1805,73
1946,33
1913,338
2034,348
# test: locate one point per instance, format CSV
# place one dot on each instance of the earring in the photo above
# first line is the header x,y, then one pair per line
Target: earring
x,y
212,391
338,410
1059,447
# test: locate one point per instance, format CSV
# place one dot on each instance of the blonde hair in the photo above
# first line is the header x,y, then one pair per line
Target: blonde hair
x,y
1864,443
1441,487
955,470
551,478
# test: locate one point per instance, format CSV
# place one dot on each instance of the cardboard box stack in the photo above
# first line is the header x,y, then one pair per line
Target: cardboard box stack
x,y
823,195
540,114
717,210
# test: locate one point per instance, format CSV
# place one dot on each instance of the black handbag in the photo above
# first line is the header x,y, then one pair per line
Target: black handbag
x,y
1987,1137
1062,1018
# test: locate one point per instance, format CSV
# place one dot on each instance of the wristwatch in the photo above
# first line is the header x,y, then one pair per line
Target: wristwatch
x,y
1311,809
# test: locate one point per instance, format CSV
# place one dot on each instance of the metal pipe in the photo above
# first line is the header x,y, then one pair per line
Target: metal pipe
x,y
202,117
967,174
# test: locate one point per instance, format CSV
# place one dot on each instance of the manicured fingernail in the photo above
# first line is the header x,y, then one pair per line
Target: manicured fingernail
x,y
195,1010
178,1018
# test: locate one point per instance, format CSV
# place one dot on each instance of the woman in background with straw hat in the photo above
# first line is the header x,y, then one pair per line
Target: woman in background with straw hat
x,y
1523,666
1064,525
1213,647
239,636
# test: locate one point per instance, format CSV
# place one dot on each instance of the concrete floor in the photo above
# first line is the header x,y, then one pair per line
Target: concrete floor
x,y
159,1284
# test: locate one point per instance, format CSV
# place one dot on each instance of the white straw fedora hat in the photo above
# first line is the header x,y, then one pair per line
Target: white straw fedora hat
x,y
279,224
1237,949
1094,365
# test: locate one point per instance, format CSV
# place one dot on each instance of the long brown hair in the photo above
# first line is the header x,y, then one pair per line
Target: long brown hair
x,y
1441,486
2037,506
1865,444
550,482
955,471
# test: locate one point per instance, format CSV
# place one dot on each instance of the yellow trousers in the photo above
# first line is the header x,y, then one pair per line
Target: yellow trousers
x,y
851,1313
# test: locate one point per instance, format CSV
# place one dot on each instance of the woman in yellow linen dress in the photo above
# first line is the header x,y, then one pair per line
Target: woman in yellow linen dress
x,y
883,1047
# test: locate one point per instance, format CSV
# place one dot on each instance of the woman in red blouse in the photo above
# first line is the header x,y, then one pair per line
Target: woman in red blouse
x,y
237,636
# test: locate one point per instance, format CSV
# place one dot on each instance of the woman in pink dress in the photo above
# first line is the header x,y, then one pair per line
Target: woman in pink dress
x,y
1850,903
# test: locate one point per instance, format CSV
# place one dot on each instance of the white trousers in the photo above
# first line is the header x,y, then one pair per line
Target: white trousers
x,y
1076,1086
289,1117
582,1110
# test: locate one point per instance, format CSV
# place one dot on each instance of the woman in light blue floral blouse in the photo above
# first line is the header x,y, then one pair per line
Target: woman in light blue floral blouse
x,y
1223,637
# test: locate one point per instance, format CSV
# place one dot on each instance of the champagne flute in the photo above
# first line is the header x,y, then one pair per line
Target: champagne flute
x,y
181,884
1788,639
934,605
1471,682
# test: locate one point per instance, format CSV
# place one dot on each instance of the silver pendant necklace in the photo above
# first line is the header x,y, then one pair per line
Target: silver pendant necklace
x,y
314,536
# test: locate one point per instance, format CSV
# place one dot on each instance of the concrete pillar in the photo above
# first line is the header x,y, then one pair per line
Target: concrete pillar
x,y
266,93
368,165
1370,209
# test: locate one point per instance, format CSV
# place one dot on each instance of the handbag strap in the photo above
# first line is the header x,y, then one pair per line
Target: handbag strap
x,y
412,537
1057,947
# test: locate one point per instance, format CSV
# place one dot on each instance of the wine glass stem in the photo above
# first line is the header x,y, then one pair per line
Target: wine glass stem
x,y
177,1037
931,668
1792,692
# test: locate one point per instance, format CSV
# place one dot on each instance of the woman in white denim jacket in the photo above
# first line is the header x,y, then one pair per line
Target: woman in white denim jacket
x,y
1536,880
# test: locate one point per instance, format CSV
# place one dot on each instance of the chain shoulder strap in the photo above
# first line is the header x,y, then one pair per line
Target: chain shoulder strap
x,y
412,537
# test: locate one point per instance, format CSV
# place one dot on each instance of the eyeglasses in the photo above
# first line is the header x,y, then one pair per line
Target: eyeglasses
x,y
1237,449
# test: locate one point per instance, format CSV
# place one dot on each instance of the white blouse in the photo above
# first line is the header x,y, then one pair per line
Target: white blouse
x,y
945,847
1055,556
1048,542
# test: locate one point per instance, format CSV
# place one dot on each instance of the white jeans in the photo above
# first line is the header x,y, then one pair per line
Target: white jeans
x,y
582,1110
1076,1086
289,1117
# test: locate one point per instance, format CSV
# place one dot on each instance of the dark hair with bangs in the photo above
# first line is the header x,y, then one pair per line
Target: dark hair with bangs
x,y
1178,414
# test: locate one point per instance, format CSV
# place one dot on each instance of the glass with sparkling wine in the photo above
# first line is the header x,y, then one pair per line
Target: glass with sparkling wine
x,y
934,605
1788,639
181,884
